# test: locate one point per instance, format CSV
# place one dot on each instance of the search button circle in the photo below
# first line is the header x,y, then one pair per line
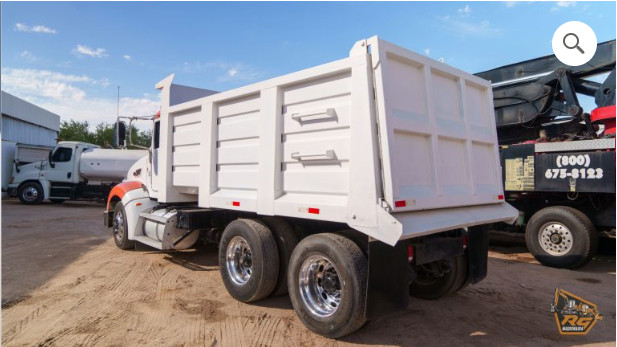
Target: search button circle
x,y
574,43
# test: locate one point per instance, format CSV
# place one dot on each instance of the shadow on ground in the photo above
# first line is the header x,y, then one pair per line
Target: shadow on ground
x,y
39,241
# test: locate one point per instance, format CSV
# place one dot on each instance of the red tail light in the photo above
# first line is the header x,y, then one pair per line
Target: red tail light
x,y
410,253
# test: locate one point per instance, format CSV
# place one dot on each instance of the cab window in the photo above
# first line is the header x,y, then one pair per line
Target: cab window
x,y
62,154
157,134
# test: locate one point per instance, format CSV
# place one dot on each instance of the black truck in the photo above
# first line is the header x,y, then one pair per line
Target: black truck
x,y
558,159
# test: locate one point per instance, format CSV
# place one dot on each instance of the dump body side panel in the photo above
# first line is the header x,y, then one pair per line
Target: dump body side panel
x,y
279,147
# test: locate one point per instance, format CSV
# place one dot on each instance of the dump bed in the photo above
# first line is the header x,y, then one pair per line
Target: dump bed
x,y
392,143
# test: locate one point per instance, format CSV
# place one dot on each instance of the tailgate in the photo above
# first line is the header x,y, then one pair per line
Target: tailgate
x,y
437,132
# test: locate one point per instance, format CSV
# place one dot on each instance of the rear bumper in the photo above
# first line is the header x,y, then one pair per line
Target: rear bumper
x,y
12,191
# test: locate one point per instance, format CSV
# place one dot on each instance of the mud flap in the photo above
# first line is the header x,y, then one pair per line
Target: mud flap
x,y
107,219
477,252
388,279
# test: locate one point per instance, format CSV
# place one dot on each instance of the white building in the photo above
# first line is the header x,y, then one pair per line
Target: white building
x,y
28,133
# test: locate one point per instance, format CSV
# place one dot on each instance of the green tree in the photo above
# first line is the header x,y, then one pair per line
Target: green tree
x,y
75,131
142,138
102,135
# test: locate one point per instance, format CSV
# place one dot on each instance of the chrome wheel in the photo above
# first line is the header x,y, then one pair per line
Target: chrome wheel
x,y
555,238
320,287
239,260
30,194
118,226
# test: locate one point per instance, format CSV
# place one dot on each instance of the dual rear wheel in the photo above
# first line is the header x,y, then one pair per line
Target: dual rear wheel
x,y
325,274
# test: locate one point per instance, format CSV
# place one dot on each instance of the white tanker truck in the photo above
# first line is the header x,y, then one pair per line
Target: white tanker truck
x,y
73,171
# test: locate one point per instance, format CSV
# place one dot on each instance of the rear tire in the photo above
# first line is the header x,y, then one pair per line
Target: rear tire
x,y
561,237
30,193
286,241
440,278
327,283
248,260
119,228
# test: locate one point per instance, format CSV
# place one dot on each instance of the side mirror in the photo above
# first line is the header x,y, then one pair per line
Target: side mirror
x,y
120,134
49,160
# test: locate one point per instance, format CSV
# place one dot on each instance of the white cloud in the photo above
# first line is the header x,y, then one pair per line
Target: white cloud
x,y
464,28
511,3
96,110
43,83
28,56
465,11
91,52
427,51
127,57
34,29
226,71
66,96
563,4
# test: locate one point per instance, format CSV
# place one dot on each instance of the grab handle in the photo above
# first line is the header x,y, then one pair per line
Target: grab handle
x,y
329,113
329,155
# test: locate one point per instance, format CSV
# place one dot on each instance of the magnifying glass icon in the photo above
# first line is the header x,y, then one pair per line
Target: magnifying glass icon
x,y
572,46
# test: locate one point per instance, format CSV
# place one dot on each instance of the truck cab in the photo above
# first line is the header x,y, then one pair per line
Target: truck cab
x,y
73,171
52,178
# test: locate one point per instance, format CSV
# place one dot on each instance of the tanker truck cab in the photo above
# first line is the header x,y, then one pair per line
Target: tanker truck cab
x,y
73,171
61,164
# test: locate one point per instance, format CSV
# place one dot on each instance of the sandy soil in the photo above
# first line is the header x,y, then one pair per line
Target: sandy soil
x,y
64,283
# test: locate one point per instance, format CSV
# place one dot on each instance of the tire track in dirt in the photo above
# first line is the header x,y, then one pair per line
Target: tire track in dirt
x,y
264,330
99,302
228,329
22,323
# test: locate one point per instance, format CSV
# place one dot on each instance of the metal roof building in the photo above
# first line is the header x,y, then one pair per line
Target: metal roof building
x,y
27,132
25,123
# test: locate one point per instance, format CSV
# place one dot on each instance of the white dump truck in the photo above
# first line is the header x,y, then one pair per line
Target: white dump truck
x,y
72,171
350,185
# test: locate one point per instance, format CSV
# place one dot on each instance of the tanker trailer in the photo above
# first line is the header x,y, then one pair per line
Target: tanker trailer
x,y
72,171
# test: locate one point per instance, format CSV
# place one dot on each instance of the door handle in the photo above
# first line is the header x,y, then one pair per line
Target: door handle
x,y
329,155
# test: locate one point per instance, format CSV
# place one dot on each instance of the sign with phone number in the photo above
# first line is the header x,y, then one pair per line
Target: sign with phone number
x,y
585,172
576,172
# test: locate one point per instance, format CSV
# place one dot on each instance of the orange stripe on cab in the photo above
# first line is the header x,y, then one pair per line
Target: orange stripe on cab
x,y
120,189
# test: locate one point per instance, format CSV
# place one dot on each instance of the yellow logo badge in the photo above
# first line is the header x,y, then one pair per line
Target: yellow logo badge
x,y
574,315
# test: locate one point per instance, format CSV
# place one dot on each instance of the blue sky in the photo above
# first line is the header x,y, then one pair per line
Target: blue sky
x,y
70,57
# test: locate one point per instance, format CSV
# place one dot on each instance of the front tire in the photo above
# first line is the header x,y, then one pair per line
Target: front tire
x,y
441,278
120,228
327,283
561,237
30,193
248,260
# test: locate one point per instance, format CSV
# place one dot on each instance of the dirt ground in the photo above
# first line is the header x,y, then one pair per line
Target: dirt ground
x,y
64,283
